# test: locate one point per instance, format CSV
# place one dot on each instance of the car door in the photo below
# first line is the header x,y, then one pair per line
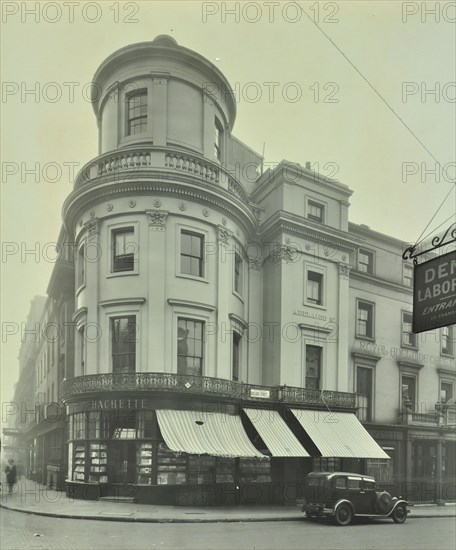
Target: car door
x,y
356,495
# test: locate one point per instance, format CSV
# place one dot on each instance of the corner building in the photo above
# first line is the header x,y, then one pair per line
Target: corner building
x,y
215,360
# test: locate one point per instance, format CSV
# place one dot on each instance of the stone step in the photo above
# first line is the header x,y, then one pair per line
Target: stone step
x,y
129,500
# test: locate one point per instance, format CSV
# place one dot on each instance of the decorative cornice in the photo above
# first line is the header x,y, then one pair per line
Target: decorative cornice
x,y
157,219
122,302
446,372
360,276
371,358
316,327
205,194
190,304
239,320
410,364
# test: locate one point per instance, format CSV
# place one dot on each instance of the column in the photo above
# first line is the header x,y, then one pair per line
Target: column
x,y
343,321
224,286
255,316
158,109
157,293
93,259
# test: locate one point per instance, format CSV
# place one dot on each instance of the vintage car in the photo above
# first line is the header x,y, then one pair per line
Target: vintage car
x,y
344,495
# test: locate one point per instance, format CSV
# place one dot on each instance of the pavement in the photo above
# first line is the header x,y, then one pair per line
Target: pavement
x,y
32,498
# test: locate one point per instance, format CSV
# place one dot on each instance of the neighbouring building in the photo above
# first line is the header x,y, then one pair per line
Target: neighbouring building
x,y
233,331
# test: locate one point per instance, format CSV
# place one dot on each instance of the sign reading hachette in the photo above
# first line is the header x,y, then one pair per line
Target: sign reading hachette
x,y
434,293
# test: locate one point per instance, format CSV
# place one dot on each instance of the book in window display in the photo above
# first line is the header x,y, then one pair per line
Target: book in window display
x,y
98,463
254,470
144,463
79,463
171,467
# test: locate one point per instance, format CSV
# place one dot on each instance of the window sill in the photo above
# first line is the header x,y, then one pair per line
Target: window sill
x,y
368,338
407,346
315,306
114,274
192,277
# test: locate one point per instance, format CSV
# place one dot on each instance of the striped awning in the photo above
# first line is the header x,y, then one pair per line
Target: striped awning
x,y
275,433
199,433
338,434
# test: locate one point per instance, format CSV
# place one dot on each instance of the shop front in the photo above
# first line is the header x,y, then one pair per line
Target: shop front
x,y
206,453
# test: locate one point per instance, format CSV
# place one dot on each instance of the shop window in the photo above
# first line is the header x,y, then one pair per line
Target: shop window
x,y
365,320
171,467
144,463
201,469
364,393
408,337
79,426
254,470
98,463
123,345
192,254
146,423
327,465
238,268
381,469
123,249
79,463
224,470
447,341
236,355
407,275
137,112
314,288
315,211
408,388
313,367
98,425
366,261
123,425
190,346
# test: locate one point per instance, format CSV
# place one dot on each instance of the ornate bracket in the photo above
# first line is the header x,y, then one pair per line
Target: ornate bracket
x,y
412,252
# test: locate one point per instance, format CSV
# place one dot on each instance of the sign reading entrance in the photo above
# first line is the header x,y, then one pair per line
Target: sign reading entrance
x,y
434,293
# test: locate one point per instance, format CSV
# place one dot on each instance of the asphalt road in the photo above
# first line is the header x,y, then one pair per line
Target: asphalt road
x,y
18,531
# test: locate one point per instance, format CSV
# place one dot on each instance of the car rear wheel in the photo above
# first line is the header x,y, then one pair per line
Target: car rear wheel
x,y
399,514
343,515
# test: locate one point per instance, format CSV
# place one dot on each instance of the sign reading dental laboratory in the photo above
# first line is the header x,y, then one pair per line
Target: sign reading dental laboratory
x,y
434,293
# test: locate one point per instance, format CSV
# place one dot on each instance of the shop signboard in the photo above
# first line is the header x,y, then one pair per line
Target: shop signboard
x,y
434,293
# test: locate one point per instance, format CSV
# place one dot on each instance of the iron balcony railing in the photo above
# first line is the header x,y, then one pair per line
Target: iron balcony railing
x,y
205,385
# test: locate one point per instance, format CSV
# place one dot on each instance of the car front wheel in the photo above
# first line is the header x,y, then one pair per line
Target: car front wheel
x,y
344,515
399,514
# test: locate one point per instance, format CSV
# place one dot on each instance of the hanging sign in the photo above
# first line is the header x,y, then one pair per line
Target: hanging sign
x,y
434,293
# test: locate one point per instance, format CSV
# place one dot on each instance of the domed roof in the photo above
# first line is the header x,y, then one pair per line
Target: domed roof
x,y
164,40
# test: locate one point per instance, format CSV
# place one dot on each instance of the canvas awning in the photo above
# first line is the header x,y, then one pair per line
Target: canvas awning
x,y
275,433
338,434
200,433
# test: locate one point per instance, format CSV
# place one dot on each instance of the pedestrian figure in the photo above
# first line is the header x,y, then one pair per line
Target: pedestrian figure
x,y
11,475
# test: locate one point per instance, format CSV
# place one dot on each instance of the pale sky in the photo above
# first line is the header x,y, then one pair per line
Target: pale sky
x,y
356,138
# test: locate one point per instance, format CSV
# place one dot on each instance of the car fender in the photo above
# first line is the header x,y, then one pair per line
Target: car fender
x,y
396,504
343,501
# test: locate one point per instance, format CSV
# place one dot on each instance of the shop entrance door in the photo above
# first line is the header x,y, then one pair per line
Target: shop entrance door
x,y
122,462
